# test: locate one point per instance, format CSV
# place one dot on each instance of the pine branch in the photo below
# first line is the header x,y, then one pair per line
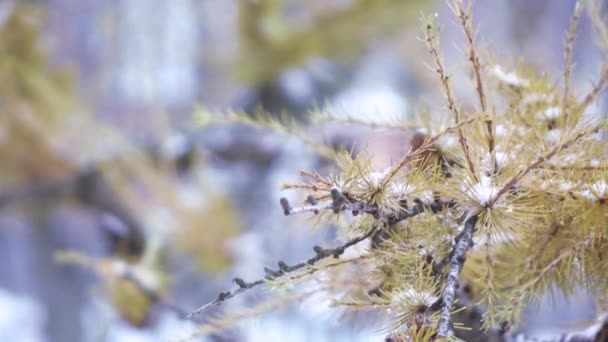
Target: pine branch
x,y
541,160
464,242
340,203
321,254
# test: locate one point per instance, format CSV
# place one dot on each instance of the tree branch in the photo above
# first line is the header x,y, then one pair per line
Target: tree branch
x,y
339,202
321,254
464,242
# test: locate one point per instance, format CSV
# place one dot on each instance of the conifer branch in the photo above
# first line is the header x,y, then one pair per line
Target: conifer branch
x,y
338,203
464,241
321,254
541,160
524,288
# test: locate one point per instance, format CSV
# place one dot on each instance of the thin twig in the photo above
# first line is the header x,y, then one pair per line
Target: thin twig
x,y
568,65
321,254
543,159
339,202
312,270
464,242
595,10
432,43
525,288
466,19
597,89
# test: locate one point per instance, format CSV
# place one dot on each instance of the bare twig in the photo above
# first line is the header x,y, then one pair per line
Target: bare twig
x,y
465,14
464,242
524,288
597,89
595,10
568,65
321,254
312,270
432,43
339,202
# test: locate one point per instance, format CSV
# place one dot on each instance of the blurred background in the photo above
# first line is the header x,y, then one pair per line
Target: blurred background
x,y
107,177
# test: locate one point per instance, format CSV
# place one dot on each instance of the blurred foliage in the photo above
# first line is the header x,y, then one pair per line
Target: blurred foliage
x,y
129,300
51,144
34,99
220,223
270,43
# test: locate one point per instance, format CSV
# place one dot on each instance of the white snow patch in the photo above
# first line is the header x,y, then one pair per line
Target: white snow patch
x,y
501,130
494,239
553,136
534,98
22,318
566,186
595,191
550,113
589,333
553,112
376,178
176,145
378,104
566,160
502,159
509,78
448,141
410,295
483,192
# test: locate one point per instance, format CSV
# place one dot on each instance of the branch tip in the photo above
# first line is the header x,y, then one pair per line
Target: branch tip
x,y
240,282
285,205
